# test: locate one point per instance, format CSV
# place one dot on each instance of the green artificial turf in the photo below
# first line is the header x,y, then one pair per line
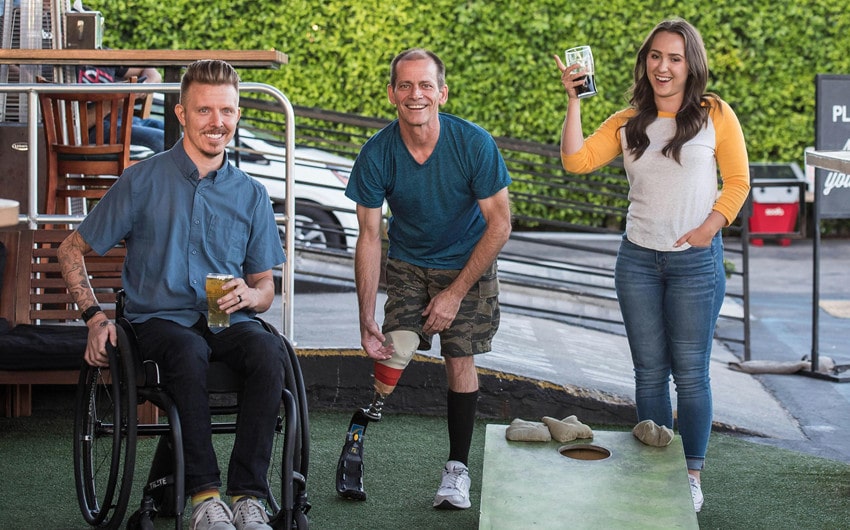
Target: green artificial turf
x,y
753,486
746,485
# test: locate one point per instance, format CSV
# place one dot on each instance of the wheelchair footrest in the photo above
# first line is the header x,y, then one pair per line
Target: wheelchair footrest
x,y
143,518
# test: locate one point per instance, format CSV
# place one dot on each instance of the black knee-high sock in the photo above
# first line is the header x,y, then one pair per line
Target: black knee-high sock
x,y
460,409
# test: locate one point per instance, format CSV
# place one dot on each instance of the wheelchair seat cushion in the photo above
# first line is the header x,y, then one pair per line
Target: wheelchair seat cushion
x,y
43,347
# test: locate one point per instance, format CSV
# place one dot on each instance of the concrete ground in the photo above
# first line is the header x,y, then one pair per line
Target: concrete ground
x,y
593,367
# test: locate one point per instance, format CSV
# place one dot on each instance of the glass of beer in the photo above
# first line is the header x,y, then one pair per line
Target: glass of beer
x,y
216,318
582,56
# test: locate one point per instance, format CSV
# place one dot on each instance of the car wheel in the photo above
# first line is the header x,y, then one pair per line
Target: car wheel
x,y
315,228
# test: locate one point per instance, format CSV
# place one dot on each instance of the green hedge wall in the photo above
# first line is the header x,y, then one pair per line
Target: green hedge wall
x,y
763,54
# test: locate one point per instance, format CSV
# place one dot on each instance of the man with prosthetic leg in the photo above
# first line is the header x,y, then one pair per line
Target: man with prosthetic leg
x,y
446,185
349,472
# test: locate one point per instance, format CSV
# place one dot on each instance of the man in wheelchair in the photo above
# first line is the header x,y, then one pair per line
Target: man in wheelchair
x,y
182,214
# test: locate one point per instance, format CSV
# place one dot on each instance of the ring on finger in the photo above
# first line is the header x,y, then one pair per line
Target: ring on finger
x,y
239,296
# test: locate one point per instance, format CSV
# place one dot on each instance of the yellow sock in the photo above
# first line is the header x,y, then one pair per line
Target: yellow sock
x,y
201,496
236,498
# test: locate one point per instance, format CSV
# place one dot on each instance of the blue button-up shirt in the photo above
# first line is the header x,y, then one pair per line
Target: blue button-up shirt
x,y
179,227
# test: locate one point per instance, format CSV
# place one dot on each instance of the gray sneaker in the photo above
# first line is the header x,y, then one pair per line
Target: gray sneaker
x,y
454,487
212,514
249,514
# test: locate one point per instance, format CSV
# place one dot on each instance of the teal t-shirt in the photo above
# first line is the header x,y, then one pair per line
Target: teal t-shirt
x,y
435,219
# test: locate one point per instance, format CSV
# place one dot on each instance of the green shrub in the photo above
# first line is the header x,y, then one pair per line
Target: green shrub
x,y
763,54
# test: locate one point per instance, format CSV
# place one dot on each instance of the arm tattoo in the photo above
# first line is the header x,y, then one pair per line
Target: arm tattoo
x,y
74,270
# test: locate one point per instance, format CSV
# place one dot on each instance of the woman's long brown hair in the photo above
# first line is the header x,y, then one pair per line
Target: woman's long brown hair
x,y
693,114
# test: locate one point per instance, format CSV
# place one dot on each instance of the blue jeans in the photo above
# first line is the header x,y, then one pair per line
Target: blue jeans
x,y
670,302
183,355
147,132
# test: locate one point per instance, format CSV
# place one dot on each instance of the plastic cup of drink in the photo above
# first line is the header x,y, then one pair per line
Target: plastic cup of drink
x,y
217,318
582,56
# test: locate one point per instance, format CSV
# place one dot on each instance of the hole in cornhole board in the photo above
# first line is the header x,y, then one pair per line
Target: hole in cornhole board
x,y
585,452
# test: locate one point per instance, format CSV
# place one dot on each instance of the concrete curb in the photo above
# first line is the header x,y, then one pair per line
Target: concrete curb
x,y
340,379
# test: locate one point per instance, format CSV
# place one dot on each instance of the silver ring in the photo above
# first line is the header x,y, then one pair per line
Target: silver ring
x,y
239,296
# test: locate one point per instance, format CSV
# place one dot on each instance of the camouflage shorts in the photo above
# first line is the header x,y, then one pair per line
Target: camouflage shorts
x,y
410,288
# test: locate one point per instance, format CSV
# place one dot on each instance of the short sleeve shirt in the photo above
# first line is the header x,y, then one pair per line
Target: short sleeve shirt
x,y
177,228
436,220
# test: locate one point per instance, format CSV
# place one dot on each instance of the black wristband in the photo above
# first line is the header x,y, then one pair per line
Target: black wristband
x,y
90,312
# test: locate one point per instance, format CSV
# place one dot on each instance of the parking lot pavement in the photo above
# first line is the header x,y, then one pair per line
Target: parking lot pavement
x,y
781,306
795,411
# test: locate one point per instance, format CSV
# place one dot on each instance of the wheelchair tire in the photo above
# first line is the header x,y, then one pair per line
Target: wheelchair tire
x,y
105,422
286,480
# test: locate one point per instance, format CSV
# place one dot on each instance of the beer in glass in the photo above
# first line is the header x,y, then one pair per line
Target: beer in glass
x,y
217,318
582,56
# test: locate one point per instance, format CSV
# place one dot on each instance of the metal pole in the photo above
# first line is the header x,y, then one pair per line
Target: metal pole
x,y
745,258
32,158
816,269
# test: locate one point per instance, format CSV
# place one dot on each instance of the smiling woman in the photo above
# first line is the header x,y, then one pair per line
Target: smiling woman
x,y
669,275
667,71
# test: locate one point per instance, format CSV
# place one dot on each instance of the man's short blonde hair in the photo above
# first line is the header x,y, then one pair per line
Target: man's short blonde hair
x,y
209,72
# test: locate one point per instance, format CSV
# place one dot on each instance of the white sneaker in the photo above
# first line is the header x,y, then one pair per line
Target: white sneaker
x,y
696,492
249,514
454,487
212,514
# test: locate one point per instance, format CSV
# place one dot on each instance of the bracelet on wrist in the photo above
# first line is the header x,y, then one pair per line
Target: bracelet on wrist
x,y
90,312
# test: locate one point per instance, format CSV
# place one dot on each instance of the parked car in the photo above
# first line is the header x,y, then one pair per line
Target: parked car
x,y
324,216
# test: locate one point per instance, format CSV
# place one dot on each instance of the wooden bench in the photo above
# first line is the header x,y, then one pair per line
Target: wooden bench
x,y
34,299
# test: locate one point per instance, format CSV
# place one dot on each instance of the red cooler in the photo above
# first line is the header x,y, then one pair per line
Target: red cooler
x,y
775,210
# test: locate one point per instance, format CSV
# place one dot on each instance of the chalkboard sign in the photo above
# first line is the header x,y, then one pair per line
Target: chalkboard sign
x,y
832,133
832,188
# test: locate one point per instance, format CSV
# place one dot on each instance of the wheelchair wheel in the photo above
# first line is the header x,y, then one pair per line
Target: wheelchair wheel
x,y
105,438
280,465
287,477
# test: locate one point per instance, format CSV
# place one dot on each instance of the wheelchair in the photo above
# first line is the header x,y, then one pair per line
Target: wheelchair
x,y
106,432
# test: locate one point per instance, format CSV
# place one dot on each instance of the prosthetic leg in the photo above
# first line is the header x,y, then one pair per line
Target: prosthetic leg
x,y
349,469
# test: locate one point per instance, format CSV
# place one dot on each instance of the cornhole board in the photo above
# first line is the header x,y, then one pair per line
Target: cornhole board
x,y
534,485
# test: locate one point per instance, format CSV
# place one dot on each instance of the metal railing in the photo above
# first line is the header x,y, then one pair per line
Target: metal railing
x,y
555,265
